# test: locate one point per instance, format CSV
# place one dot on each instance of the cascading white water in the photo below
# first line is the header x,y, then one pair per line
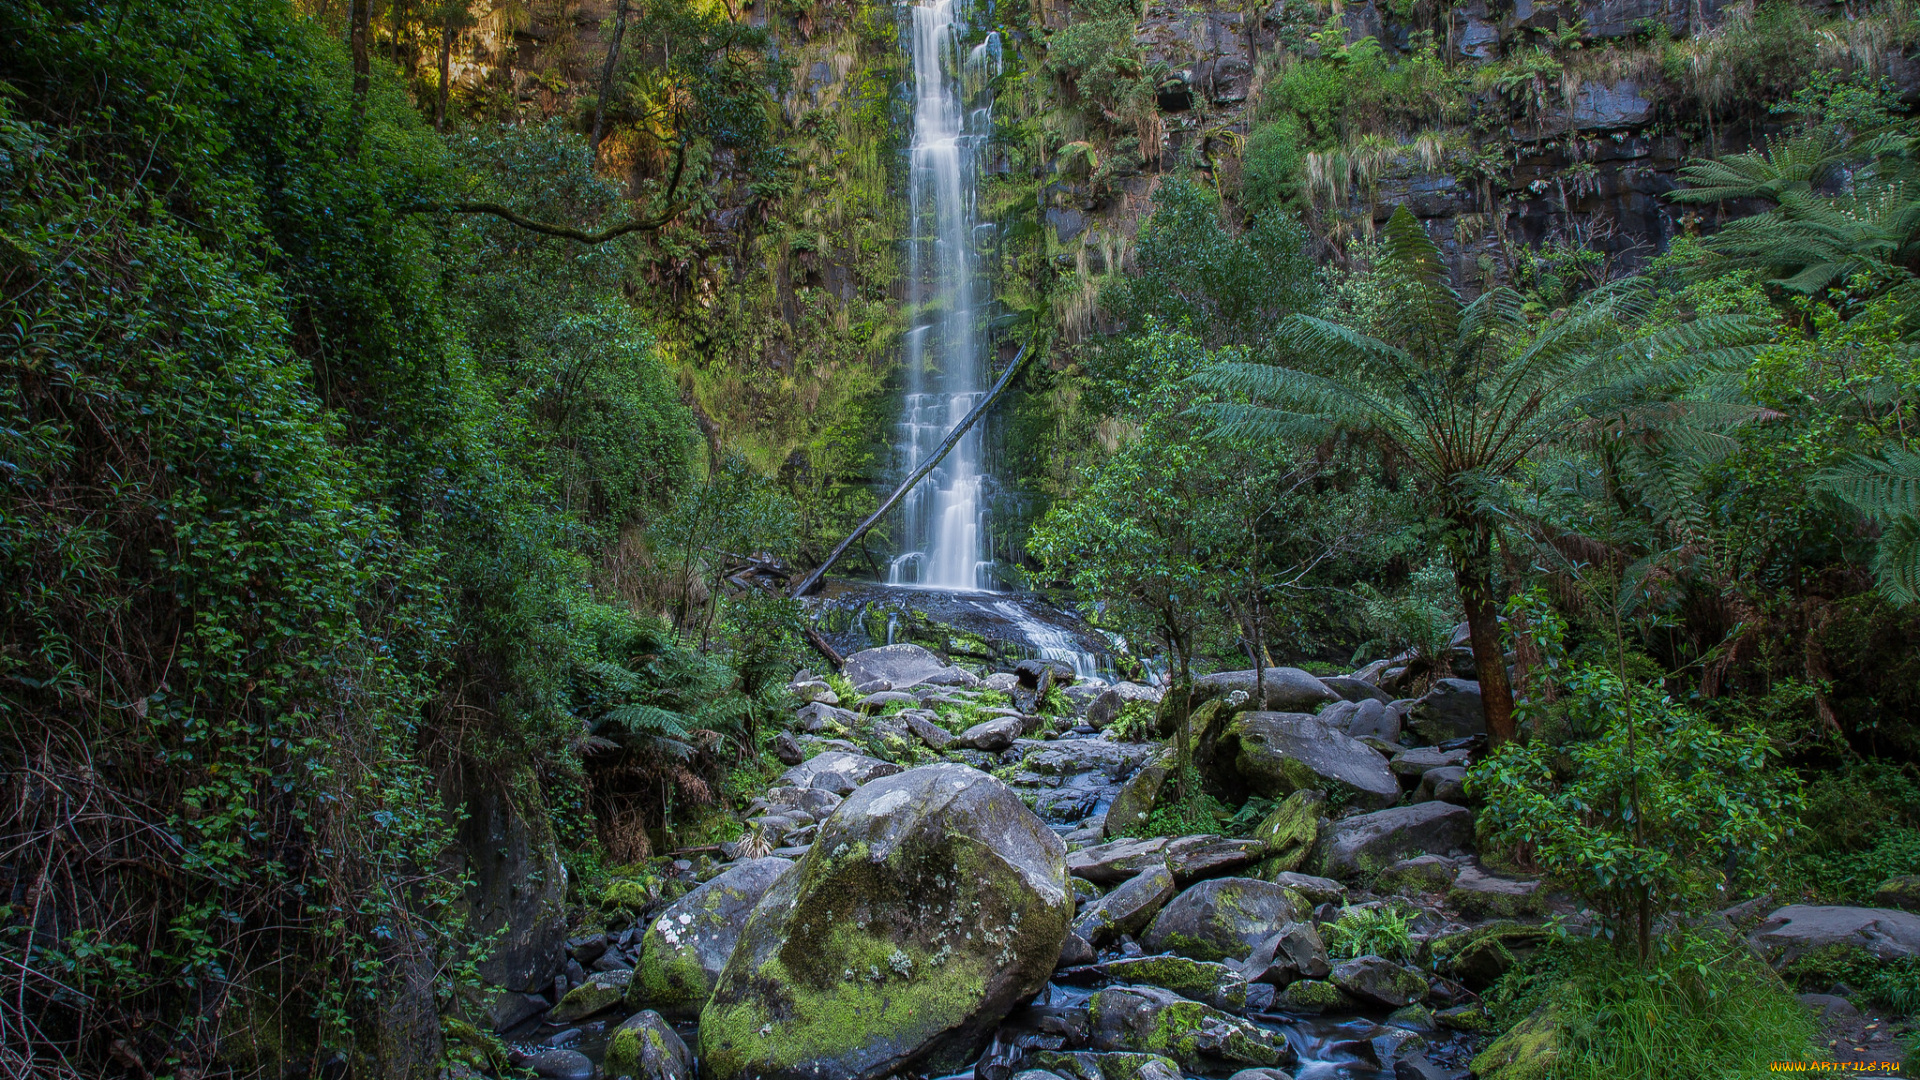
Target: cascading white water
x,y
945,515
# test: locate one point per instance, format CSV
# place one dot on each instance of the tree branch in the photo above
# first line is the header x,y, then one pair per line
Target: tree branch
x,y
546,228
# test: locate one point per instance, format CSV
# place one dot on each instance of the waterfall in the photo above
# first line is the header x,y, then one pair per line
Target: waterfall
x,y
945,515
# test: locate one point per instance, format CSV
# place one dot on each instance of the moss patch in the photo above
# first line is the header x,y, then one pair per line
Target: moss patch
x,y
1527,1052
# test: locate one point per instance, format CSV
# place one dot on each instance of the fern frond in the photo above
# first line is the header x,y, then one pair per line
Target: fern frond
x,y
648,720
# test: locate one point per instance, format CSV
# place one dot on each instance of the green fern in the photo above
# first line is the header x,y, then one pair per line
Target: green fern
x,y
1889,492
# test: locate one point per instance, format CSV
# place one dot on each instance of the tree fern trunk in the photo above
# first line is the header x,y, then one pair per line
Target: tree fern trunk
x,y
1473,575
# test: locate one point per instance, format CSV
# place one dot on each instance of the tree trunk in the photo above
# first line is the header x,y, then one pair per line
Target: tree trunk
x,y
446,50
606,76
1473,575
362,18
1183,728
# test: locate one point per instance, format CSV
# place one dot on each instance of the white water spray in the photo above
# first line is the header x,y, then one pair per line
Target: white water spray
x,y
945,515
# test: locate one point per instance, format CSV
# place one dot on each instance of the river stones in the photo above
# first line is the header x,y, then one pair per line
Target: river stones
x,y
899,666
1479,894
1445,784
1276,754
685,948
1209,983
1379,980
1286,689
1352,689
991,735
1128,908
1366,844
1138,796
1290,830
1105,708
602,990
1450,710
1481,955
930,904
1088,1065
1296,952
1223,919
1112,863
645,1047
837,771
1900,891
1798,930
1422,760
1147,1019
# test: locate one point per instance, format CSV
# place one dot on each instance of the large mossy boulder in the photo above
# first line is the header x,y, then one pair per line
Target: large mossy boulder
x,y
1214,984
1289,832
1365,844
1478,956
1223,919
1527,1052
685,948
1128,908
929,905
1139,795
837,771
1148,1019
645,1047
1275,754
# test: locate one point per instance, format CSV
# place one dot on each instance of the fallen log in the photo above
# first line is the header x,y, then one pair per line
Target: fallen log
x,y
812,581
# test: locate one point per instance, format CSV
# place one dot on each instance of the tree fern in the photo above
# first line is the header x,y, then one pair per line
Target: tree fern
x,y
1889,492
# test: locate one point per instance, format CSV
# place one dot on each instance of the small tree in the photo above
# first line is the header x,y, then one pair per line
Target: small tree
x,y
1647,818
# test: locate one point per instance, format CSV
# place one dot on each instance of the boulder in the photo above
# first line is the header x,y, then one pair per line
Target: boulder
x,y
501,1010
1797,930
992,736
602,991
1286,689
685,948
645,1047
811,690
1295,952
1420,874
1420,761
1445,784
1105,708
879,702
1317,890
932,735
899,666
1128,908
1275,754
1354,689
1373,720
1526,1052
814,718
1147,1019
1289,832
1192,858
1223,919
1066,781
1450,710
1218,985
1480,894
557,1065
787,749
1117,860
929,905
1313,996
1377,979
1481,955
837,771
1076,951
1366,844
1138,796
1901,891
1088,1065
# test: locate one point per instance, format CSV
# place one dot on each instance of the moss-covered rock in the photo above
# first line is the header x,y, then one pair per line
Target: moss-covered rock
x,y
1420,874
1210,984
1471,1018
1478,956
685,948
1223,919
1527,1052
1128,908
1151,1020
602,991
1290,831
1313,996
1092,1065
645,1047
1901,892
1379,980
929,905
1365,844
1276,754
1477,894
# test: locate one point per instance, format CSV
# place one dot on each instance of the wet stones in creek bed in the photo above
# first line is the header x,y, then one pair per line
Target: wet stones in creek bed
x,y
1214,984
837,771
1296,952
1366,844
1223,919
1375,979
1275,754
992,736
684,950
1151,1020
1451,710
901,667
645,1047
930,904
1286,689
1128,908
1188,858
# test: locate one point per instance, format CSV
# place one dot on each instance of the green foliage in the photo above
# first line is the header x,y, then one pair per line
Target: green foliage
x,y
1418,618
1650,814
1135,722
1350,90
1381,930
1096,57
1703,1006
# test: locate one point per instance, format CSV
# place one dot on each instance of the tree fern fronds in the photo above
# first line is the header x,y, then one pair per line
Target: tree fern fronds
x,y
1898,563
1786,164
648,719
1239,421
1881,489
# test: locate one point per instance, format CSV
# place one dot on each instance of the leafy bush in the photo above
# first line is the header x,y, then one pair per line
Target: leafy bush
x,y
1135,722
1648,816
